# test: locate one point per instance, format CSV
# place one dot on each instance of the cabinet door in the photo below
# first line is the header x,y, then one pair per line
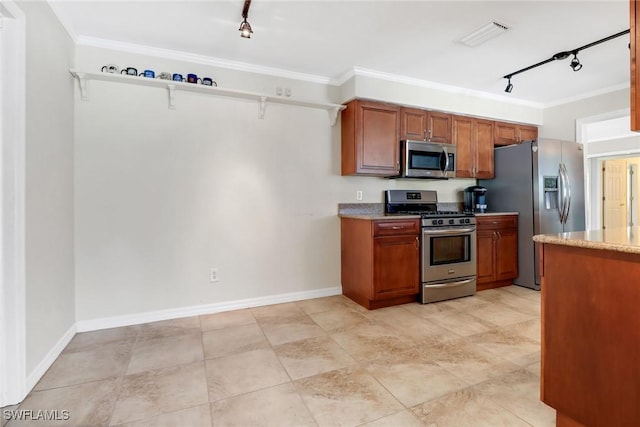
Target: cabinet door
x,y
505,133
507,254
413,124
527,133
483,136
439,127
370,139
486,256
465,151
396,266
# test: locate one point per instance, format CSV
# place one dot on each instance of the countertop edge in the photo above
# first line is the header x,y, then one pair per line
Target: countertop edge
x,y
587,244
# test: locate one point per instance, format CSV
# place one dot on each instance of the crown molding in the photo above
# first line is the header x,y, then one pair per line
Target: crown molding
x,y
198,59
443,87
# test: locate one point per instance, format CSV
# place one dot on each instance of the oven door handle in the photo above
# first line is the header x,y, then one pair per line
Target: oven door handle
x,y
450,284
449,231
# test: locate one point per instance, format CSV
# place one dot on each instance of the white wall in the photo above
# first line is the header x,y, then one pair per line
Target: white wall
x,y
163,195
560,120
49,223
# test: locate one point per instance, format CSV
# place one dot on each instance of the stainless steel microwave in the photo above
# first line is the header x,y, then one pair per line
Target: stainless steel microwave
x,y
421,159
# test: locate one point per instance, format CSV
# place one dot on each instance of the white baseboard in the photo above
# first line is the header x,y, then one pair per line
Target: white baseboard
x,y
47,361
174,313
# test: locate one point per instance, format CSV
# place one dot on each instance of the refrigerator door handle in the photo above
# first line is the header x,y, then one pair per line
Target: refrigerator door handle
x,y
561,195
566,193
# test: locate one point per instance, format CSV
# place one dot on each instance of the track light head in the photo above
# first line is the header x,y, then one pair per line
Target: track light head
x,y
509,87
245,29
575,63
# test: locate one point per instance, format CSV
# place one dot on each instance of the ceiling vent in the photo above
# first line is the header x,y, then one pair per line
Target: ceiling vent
x,y
484,33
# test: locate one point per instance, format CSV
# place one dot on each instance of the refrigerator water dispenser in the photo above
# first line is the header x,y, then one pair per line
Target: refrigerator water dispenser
x,y
551,193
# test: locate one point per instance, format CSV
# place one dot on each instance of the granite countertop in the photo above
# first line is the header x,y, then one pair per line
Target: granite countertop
x,y
624,239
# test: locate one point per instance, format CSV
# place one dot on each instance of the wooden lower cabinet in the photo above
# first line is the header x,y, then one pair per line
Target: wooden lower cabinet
x,y
497,250
380,261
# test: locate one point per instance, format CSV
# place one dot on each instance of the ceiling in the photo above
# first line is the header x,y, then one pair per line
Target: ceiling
x,y
412,39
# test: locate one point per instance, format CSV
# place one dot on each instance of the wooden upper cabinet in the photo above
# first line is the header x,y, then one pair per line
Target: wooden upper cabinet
x,y
413,124
512,133
439,127
370,139
423,125
474,140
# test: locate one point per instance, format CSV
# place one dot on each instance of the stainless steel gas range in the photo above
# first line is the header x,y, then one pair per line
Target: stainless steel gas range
x,y
447,244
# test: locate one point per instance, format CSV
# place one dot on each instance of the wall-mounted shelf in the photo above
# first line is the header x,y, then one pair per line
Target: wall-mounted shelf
x,y
173,86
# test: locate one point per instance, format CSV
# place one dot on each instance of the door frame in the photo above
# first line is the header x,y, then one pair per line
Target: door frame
x,y
12,204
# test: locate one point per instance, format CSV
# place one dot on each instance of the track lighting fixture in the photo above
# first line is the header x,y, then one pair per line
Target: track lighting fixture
x,y
245,27
509,87
575,62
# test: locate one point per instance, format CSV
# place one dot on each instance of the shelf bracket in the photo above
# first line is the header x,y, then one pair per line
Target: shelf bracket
x,y
84,86
263,106
172,96
333,115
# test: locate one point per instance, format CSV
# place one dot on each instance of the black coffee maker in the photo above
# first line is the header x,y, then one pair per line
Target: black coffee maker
x,y
475,199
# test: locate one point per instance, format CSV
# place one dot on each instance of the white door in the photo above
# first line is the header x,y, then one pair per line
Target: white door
x,y
614,193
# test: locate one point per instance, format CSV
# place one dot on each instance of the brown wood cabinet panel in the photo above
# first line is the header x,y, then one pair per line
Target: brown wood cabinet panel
x,y
483,132
474,140
395,227
439,127
528,133
591,335
486,256
370,139
396,267
512,133
465,151
497,250
507,254
380,261
413,124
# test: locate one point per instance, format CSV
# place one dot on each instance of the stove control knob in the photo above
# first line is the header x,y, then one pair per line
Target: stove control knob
x,y
440,222
462,220
434,221
451,221
466,221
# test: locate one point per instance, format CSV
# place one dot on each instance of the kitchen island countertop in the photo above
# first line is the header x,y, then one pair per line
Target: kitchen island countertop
x,y
624,239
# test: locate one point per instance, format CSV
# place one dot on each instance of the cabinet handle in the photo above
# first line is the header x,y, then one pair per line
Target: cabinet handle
x,y
417,243
425,135
499,235
396,227
429,135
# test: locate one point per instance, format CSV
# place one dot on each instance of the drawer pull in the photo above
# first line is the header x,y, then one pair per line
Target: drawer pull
x,y
397,227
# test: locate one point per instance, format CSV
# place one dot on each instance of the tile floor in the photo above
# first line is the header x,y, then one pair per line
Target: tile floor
x,y
473,361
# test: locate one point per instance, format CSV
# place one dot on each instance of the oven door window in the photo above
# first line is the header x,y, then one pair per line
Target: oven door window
x,y
450,249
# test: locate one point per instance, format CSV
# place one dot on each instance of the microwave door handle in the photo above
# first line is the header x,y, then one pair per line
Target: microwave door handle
x,y
443,155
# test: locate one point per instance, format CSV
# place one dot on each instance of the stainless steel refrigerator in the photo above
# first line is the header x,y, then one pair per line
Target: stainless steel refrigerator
x,y
544,182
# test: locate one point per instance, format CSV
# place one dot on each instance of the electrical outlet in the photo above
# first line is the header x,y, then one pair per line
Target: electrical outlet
x,y
213,275
359,195
279,91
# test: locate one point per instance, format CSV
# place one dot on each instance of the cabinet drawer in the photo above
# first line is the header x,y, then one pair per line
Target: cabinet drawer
x,y
491,222
396,227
